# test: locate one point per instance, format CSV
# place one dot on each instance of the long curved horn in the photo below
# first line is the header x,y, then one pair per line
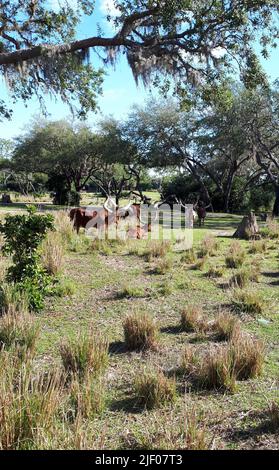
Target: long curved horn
x,y
106,205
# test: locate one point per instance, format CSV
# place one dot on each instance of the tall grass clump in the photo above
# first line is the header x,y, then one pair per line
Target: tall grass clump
x,y
86,399
225,326
64,226
192,319
189,257
208,246
19,333
163,266
28,407
140,331
247,355
258,246
153,389
12,300
87,353
157,249
52,253
248,301
236,256
273,414
245,275
271,230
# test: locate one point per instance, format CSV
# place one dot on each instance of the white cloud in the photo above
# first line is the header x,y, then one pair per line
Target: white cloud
x,y
108,7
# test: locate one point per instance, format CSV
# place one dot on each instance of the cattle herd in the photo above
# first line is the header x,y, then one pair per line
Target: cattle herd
x,y
110,214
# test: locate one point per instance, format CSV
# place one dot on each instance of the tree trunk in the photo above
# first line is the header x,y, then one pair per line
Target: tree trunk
x,y
248,228
275,212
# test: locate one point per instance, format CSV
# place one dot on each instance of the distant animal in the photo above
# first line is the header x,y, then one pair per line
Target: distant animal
x,y
99,217
201,213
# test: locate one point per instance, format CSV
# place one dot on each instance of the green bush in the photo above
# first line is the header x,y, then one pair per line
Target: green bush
x,y
23,235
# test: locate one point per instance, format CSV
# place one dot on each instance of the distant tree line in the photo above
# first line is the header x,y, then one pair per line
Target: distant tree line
x,y
225,152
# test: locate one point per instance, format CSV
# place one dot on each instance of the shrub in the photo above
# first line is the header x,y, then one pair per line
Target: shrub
x,y
247,355
23,236
140,331
192,319
225,326
84,354
28,410
189,257
153,389
19,332
236,256
86,399
248,301
52,253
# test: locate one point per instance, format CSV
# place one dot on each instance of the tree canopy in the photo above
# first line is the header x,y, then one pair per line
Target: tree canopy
x,y
195,41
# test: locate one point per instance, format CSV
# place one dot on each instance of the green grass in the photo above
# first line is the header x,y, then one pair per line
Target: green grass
x,y
234,420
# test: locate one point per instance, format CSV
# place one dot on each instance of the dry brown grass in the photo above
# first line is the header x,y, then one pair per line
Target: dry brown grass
x,y
64,226
52,253
236,255
192,319
273,415
248,301
86,398
12,301
140,331
163,266
220,367
19,332
84,354
157,249
225,326
28,407
153,389
247,355
209,246
189,257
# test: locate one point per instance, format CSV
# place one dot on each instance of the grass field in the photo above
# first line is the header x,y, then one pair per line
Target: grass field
x,y
116,280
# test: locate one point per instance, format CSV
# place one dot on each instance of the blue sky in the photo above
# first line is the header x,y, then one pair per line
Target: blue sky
x,y
119,91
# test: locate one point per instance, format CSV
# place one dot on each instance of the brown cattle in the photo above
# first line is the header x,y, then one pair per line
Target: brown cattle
x,y
81,218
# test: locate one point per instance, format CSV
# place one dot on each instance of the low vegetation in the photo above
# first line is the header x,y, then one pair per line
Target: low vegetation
x,y
126,366
140,331
153,389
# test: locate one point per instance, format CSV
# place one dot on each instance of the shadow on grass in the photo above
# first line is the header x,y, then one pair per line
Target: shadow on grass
x,y
118,347
253,430
127,404
172,329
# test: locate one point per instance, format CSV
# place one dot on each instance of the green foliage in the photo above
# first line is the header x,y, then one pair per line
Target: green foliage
x,y
23,235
